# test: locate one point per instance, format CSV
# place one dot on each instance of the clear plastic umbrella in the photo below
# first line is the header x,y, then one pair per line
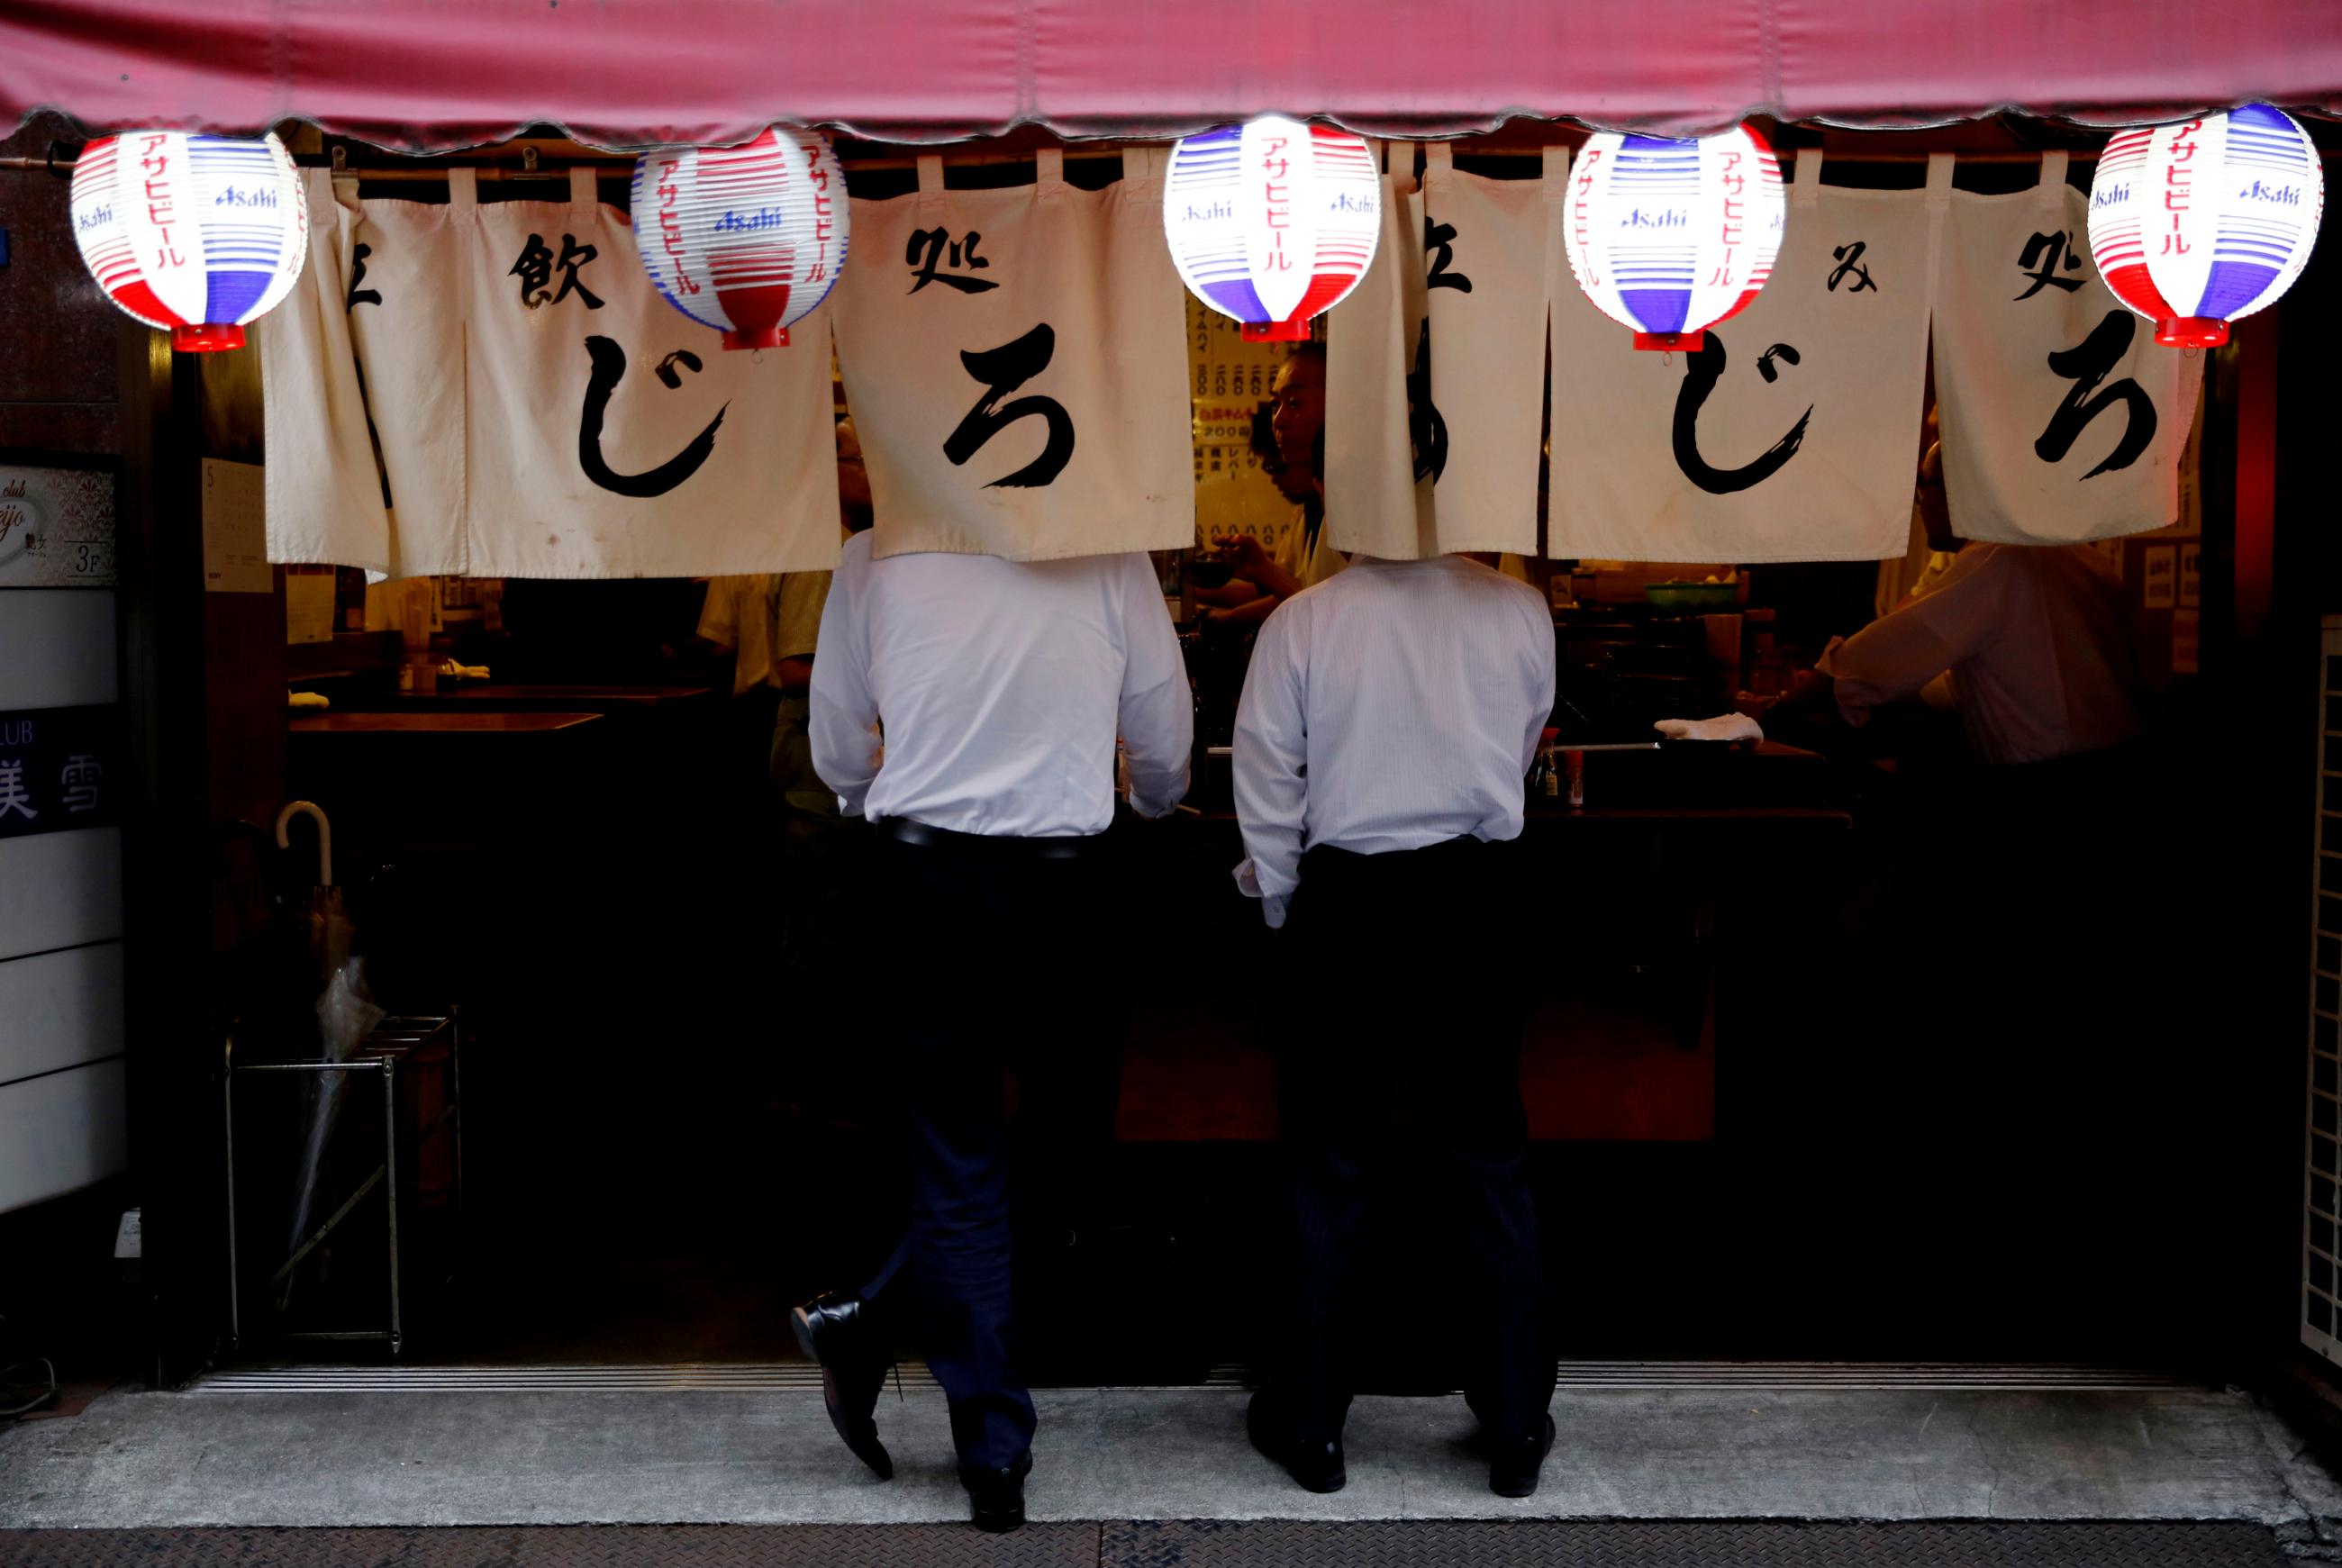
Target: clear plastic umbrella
x,y
346,1014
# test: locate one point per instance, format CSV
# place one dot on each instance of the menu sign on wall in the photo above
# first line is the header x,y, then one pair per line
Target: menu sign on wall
x,y
57,527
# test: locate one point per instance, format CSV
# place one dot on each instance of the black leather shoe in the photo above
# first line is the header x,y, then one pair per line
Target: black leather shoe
x,y
1514,1467
835,1331
1313,1466
995,1498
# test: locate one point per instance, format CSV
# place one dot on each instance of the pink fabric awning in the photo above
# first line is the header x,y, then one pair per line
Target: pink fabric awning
x,y
432,75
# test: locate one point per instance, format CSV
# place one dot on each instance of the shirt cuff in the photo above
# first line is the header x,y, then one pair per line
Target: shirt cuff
x,y
1272,905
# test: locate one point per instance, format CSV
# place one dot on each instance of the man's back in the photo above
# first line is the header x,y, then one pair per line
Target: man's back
x,y
1391,707
1000,686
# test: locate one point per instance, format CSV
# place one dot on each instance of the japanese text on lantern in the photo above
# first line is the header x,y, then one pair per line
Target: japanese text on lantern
x,y
671,225
1278,216
1592,273
1732,183
822,219
2177,178
159,212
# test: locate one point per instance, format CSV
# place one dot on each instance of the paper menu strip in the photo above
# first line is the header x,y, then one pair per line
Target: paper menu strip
x,y
236,539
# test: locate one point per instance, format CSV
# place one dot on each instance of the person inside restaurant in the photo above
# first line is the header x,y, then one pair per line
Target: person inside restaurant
x,y
1387,721
1272,565
2032,639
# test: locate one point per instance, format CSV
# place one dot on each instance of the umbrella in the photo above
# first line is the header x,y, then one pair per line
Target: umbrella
x,y
346,1012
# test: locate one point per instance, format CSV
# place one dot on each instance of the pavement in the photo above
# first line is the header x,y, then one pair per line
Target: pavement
x,y
139,1460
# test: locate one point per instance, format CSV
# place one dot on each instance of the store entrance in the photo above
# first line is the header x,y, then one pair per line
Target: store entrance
x,y
1782,1110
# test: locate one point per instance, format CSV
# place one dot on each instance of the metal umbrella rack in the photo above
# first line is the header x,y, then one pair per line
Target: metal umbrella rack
x,y
353,1037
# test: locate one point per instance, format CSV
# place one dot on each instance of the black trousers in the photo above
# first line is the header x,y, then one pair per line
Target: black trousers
x,y
1002,968
1409,1033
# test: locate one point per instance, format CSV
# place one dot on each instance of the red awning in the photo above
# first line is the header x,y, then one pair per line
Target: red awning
x,y
438,74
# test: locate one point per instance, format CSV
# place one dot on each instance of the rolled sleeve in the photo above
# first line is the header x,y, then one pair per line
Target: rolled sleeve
x,y
1898,653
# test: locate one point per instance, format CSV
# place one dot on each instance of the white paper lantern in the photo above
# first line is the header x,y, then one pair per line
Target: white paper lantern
x,y
198,234
1670,237
747,240
2194,225
1273,221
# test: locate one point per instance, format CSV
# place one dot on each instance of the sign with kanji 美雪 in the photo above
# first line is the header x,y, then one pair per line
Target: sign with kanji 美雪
x,y
55,769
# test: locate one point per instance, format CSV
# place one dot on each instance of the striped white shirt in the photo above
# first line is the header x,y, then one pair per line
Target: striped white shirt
x,y
999,686
1394,706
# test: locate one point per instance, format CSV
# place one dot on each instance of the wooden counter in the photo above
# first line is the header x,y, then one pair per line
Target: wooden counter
x,y
525,698
436,724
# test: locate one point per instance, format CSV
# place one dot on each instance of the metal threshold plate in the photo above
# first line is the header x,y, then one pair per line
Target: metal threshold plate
x,y
1530,1543
787,1377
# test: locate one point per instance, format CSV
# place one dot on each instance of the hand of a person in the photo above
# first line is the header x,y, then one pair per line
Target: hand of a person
x,y
1245,547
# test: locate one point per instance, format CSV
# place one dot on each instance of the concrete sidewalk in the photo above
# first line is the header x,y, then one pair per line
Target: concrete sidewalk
x,y
137,1458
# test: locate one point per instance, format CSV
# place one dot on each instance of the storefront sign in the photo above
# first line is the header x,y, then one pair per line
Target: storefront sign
x,y
55,770
1793,433
1016,363
1436,371
2063,419
539,410
57,527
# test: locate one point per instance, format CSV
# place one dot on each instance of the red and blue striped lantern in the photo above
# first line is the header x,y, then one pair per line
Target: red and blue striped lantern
x,y
195,234
2194,225
1670,237
1272,221
747,240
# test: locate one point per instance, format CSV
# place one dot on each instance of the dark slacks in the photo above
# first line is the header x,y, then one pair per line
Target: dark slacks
x,y
1000,967
1413,1014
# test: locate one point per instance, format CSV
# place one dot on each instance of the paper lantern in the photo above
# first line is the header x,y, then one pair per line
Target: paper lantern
x,y
1273,221
196,234
747,240
2194,225
1670,237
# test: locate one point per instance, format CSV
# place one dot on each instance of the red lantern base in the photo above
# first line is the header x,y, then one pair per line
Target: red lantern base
x,y
2192,332
763,337
1273,331
208,338
1669,341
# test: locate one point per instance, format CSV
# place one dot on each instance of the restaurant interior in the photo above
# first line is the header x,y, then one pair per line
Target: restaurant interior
x,y
1836,1051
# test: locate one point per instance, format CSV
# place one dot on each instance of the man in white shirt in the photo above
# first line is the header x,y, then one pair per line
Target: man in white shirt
x,y
1387,720
968,706
2034,638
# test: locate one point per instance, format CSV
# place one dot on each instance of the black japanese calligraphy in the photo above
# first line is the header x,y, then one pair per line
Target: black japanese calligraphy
x,y
537,264
2044,252
359,295
1002,371
928,250
2086,364
665,371
1426,428
1439,239
609,368
1702,371
1778,351
1849,262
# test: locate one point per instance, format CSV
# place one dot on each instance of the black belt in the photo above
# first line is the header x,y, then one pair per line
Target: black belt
x,y
903,829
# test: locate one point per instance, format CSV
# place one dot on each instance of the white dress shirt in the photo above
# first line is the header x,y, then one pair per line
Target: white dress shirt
x,y
2034,639
1394,706
999,686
